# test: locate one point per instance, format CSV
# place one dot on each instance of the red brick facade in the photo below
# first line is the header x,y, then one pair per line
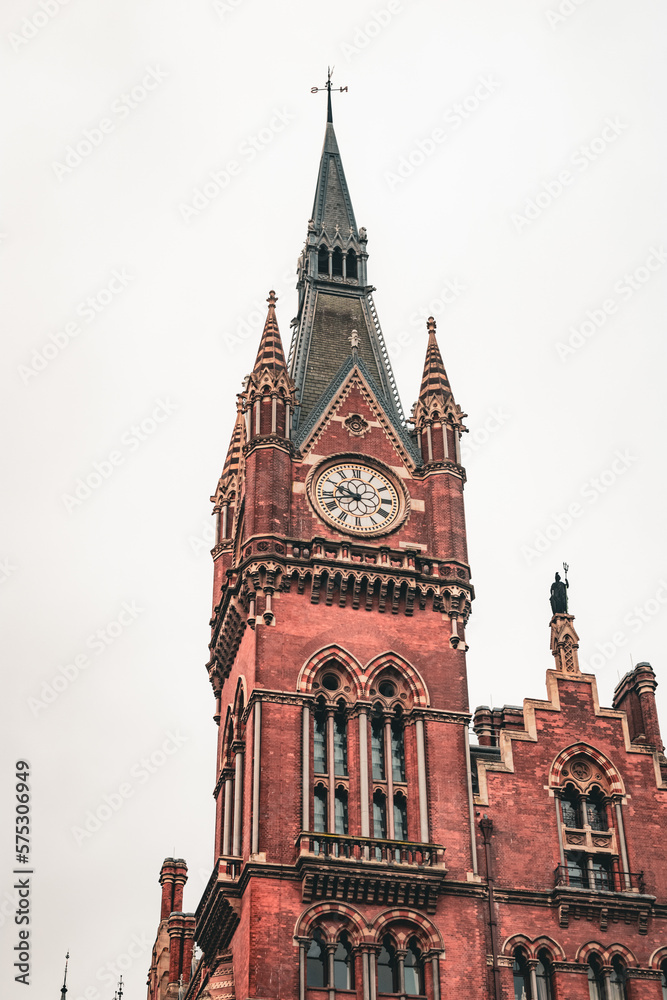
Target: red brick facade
x,y
363,848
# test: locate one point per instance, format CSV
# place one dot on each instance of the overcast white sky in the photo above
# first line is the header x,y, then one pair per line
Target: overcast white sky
x,y
509,166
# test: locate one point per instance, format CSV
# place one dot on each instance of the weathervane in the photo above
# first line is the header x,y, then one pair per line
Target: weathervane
x,y
328,88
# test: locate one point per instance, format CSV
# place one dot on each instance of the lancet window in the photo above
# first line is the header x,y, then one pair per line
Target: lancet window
x,y
373,799
591,827
596,990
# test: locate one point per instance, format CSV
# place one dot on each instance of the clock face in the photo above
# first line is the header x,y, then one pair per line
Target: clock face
x,y
357,497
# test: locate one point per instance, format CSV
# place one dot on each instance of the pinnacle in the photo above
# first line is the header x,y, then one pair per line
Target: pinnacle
x,y
270,353
434,379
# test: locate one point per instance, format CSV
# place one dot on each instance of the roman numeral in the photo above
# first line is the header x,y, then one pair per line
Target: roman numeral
x,y
331,504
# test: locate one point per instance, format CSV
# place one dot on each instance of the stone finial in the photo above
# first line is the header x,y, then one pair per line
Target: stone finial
x,y
431,324
272,299
565,644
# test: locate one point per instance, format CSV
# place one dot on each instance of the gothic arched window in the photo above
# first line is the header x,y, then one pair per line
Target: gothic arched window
x,y
340,814
617,979
337,263
543,973
569,804
387,965
320,810
316,962
596,811
351,264
377,748
379,816
413,970
397,751
320,743
596,989
400,817
521,976
663,979
343,964
340,743
323,260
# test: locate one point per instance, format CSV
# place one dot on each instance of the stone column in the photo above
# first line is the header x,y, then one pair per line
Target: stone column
x,y
256,771
421,774
363,773
227,823
305,767
238,804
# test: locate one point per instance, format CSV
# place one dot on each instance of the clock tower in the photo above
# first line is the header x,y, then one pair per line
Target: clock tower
x,y
362,848
337,657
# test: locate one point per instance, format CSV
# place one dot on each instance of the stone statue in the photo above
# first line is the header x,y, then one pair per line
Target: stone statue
x,y
558,596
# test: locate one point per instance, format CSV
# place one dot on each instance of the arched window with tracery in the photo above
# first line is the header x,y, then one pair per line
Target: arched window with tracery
x,y
617,979
521,974
387,967
543,974
413,970
343,963
596,990
337,263
589,811
317,966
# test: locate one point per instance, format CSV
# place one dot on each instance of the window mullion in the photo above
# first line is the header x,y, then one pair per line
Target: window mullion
x,y
389,771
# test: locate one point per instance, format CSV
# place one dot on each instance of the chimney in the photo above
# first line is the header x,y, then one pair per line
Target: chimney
x,y
635,695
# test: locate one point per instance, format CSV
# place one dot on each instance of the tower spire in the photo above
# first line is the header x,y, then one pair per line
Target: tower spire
x,y
63,990
270,352
437,418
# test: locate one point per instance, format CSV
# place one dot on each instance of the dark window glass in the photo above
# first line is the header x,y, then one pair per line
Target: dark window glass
x,y
597,814
521,977
337,263
320,811
595,980
379,816
576,870
387,968
601,874
663,979
617,980
343,964
351,264
377,748
570,808
340,744
341,812
400,818
316,962
543,975
397,752
413,970
323,260
320,744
